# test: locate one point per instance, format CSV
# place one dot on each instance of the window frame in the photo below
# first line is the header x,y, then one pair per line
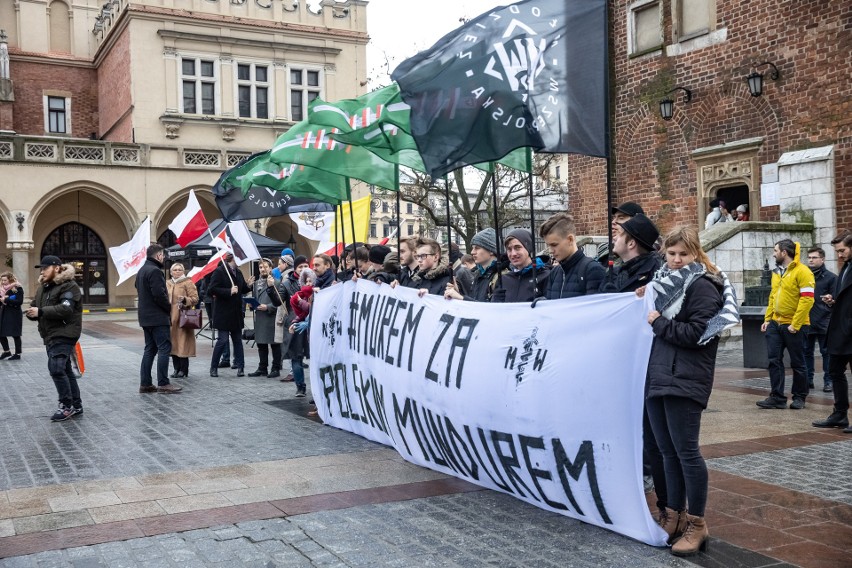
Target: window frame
x,y
253,84
66,111
677,22
303,88
198,80
634,8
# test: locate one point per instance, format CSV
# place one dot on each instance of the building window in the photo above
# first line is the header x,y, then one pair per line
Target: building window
x,y
253,90
304,87
198,80
385,230
558,172
644,26
410,230
57,115
384,206
409,208
693,18
372,230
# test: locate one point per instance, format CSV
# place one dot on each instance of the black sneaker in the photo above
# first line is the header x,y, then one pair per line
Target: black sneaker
x,y
258,373
300,391
811,386
78,410
224,364
772,402
63,413
797,404
15,357
6,355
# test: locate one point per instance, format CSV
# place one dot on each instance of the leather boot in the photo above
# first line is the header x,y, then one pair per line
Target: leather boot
x,y
673,523
694,538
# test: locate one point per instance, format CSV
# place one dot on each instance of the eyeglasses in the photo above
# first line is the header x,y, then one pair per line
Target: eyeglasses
x,y
423,256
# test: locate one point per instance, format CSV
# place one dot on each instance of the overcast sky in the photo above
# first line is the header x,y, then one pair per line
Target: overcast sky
x,y
401,28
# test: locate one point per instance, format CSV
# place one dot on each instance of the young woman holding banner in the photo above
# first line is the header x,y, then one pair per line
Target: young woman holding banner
x,y
688,302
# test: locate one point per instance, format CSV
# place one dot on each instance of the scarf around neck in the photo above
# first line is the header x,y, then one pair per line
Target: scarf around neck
x,y
671,286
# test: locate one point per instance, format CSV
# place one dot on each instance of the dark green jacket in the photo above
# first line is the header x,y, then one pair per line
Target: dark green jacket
x,y
60,308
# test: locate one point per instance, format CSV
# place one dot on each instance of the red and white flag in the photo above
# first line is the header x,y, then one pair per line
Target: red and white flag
x,y
129,257
236,239
200,272
190,223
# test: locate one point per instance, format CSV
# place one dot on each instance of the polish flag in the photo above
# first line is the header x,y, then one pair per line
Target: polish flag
x,y
190,223
199,272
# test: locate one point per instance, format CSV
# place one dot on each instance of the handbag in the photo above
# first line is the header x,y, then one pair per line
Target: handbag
x,y
190,318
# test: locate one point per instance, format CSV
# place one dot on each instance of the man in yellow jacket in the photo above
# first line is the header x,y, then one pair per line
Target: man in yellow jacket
x,y
786,320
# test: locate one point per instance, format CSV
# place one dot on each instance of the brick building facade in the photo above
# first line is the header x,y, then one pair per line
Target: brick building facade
x,y
718,143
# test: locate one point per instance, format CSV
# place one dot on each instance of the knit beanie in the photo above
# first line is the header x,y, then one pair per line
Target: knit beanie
x,y
287,251
306,274
378,253
300,260
487,239
524,237
288,260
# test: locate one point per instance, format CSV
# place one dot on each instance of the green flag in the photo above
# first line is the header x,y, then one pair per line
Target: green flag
x,y
295,180
312,145
517,159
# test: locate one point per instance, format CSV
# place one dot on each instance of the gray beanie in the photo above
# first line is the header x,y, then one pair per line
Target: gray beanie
x,y
288,260
487,239
524,237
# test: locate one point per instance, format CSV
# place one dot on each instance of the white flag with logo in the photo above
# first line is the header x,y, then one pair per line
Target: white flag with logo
x,y
129,257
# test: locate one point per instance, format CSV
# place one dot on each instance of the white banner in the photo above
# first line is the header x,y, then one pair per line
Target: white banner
x,y
544,403
129,257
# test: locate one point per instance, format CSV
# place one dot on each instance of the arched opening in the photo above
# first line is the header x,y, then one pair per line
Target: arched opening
x,y
80,246
169,210
60,27
284,230
733,196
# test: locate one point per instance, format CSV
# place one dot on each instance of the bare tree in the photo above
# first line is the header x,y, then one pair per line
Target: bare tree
x,y
471,196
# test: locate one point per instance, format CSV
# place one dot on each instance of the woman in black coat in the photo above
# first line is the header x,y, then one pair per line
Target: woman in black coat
x,y
679,381
227,287
11,316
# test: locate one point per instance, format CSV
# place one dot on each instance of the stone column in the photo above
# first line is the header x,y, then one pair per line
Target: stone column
x,y
806,192
22,264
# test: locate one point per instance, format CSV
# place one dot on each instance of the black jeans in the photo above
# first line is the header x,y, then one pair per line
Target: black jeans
x,y
811,341
837,372
778,338
676,422
263,356
158,342
652,458
4,342
222,342
59,365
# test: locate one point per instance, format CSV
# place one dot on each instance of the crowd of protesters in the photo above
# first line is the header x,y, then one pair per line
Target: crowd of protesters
x,y
809,307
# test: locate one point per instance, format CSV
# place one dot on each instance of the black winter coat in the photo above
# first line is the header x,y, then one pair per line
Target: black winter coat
x,y
434,280
228,309
60,308
484,283
820,312
678,366
405,276
839,336
11,316
631,275
518,286
154,307
464,279
577,275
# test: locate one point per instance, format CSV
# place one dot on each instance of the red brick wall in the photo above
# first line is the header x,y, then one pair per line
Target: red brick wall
x,y
811,105
115,94
31,82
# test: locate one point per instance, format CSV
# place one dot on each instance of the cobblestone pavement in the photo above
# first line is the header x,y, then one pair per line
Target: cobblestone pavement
x,y
228,442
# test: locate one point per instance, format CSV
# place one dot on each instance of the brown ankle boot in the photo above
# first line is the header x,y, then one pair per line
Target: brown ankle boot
x,y
673,523
694,538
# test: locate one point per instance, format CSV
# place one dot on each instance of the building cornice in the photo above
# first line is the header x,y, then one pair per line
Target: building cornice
x,y
226,40
49,59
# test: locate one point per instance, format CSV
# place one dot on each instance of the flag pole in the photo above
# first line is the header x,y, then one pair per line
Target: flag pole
x,y
607,134
338,214
449,224
337,252
352,221
398,209
532,219
499,243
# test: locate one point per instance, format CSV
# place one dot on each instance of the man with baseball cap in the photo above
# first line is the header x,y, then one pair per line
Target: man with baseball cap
x,y
58,309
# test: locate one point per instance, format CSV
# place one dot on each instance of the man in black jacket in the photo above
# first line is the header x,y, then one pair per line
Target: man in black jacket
x,y
486,274
523,282
634,245
575,274
820,313
154,313
227,286
58,308
839,335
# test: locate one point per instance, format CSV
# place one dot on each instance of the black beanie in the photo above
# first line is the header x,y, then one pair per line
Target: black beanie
x,y
378,253
301,259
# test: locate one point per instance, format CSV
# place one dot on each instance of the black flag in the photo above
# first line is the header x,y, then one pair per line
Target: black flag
x,y
529,74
